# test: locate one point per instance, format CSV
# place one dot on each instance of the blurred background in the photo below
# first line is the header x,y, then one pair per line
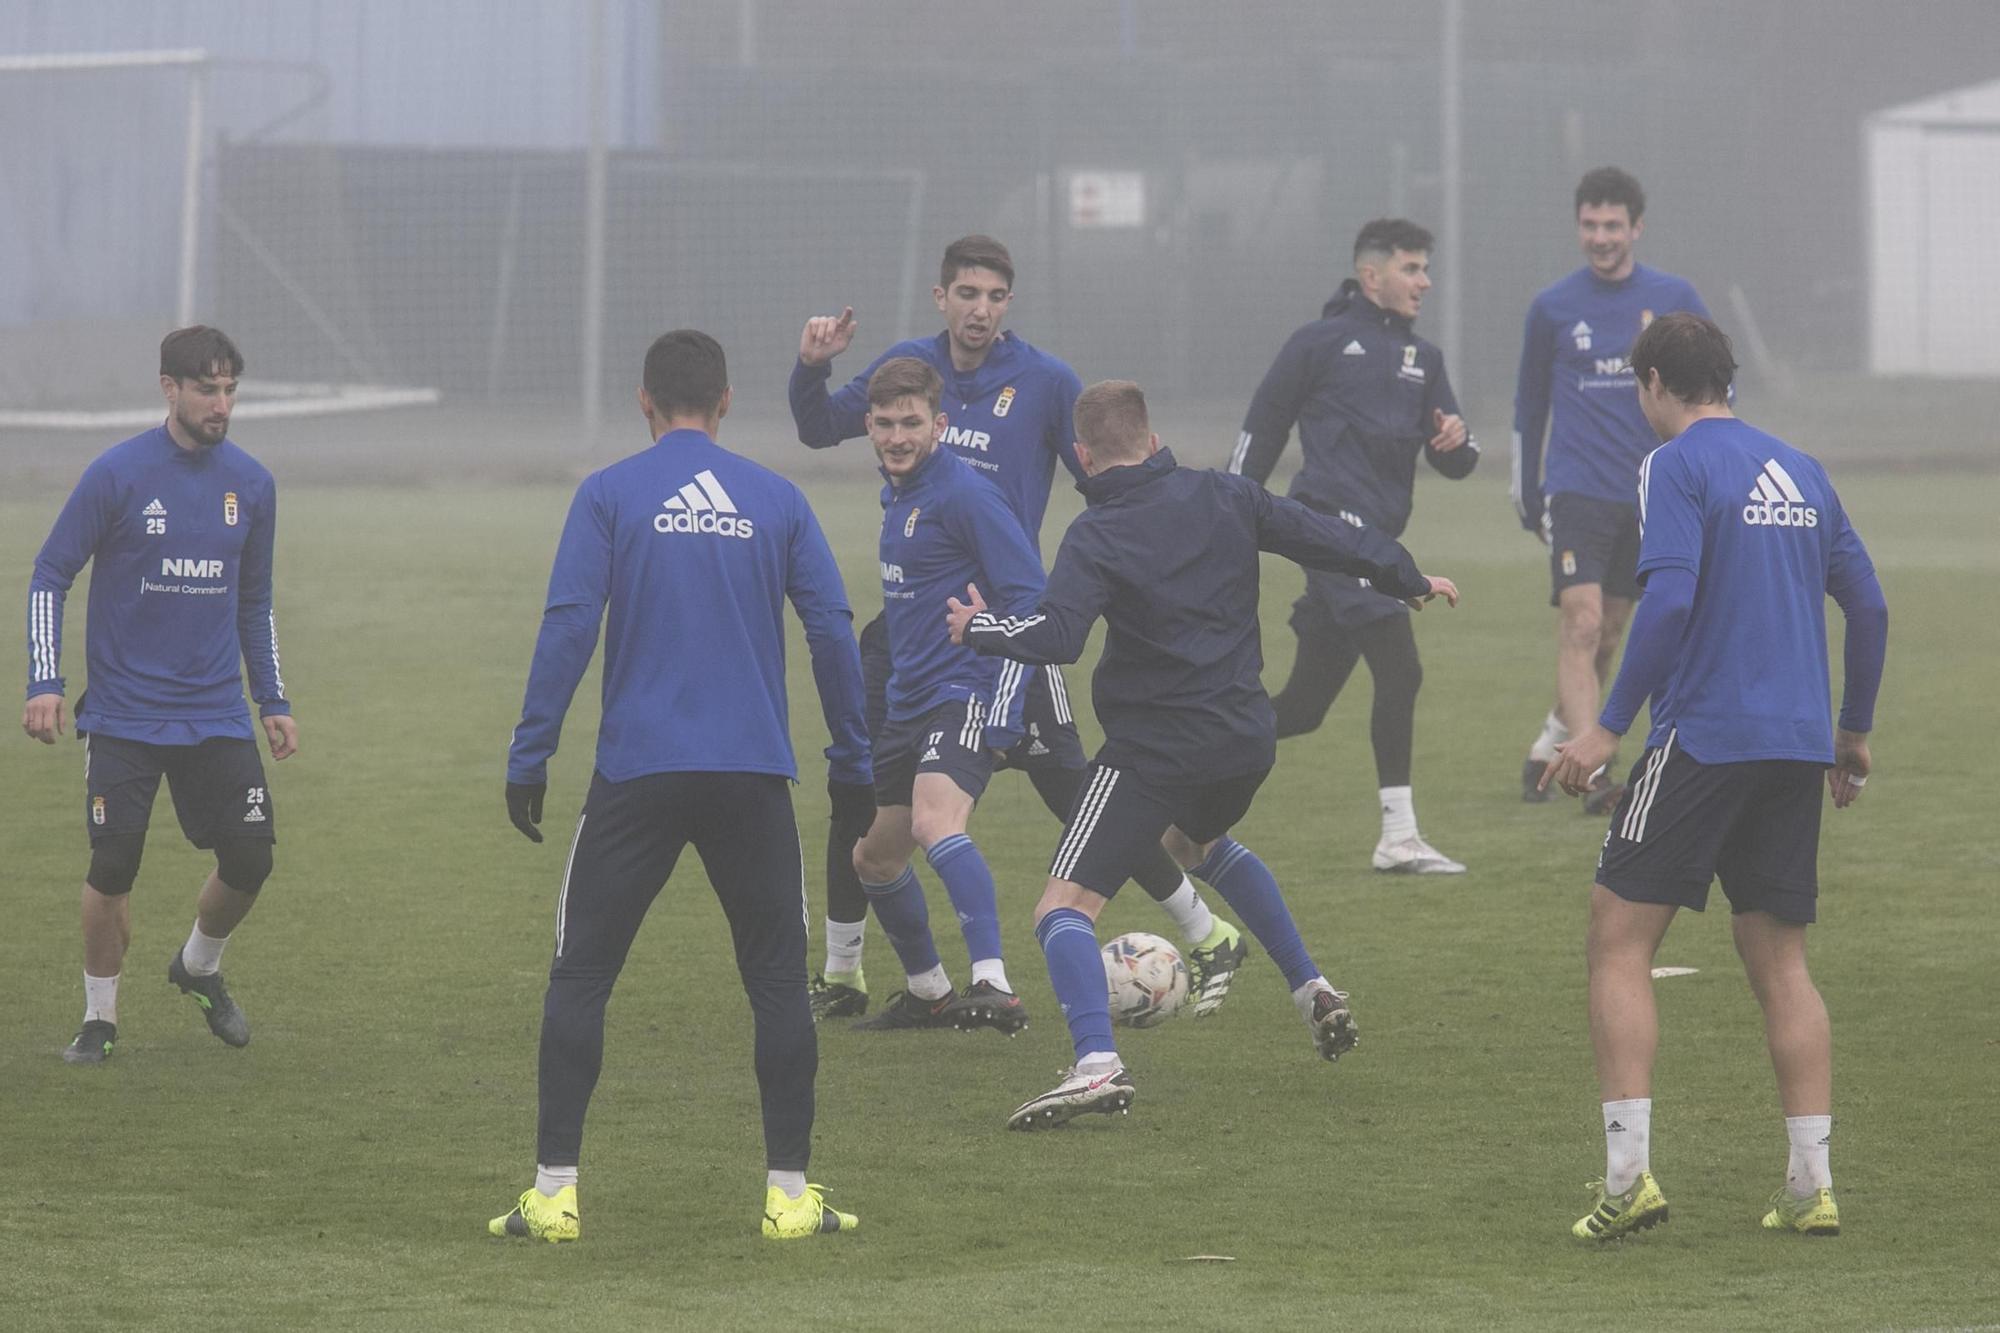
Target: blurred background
x,y
480,211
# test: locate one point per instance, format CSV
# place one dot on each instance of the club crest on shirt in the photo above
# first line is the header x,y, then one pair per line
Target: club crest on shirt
x,y
910,526
1645,319
1004,402
229,508
1410,370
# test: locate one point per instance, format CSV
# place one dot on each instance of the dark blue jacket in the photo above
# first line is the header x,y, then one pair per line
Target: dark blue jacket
x,y
944,527
1362,387
1011,418
1168,556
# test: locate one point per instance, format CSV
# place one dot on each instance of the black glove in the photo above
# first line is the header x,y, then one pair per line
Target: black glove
x,y
524,807
853,808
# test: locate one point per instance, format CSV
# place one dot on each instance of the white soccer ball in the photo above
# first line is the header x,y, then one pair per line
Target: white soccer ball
x,y
1147,977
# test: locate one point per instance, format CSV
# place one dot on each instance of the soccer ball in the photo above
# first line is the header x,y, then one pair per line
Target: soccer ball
x,y
1147,978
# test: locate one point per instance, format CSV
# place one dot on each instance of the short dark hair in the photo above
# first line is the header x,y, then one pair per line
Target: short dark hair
x,y
199,352
975,252
1111,419
905,377
1693,356
1610,185
685,372
1385,236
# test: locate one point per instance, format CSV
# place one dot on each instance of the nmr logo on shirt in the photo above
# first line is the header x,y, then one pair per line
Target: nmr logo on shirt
x,y
703,507
967,439
1777,502
191,569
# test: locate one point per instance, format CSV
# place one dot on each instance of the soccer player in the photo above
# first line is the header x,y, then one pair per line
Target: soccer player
x,y
1010,406
1576,382
1368,395
179,523
948,713
1169,558
695,551
1744,540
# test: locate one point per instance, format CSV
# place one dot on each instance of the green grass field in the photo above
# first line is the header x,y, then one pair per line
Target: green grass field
x,y
338,1172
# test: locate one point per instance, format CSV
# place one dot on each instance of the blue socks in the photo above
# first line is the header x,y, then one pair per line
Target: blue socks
x,y
906,920
958,863
1076,971
1247,885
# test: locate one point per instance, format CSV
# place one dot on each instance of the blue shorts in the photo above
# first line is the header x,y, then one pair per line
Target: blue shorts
x,y
1683,824
950,739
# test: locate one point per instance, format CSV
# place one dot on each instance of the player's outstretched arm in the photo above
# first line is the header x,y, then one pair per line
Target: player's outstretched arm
x,y
814,587
1652,647
578,586
825,419
1287,528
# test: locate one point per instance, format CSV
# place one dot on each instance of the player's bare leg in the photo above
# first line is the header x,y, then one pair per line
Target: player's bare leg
x,y
1801,1042
1586,648
939,814
1624,1036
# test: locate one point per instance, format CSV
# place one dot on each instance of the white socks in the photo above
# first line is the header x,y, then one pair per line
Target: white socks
x,y
1099,1062
1303,996
931,985
203,954
1399,814
1190,914
553,1180
1628,1130
993,970
100,999
1807,1170
1554,733
793,1183
843,946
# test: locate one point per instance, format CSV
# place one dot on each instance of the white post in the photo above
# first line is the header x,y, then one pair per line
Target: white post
x,y
1451,75
197,120
595,179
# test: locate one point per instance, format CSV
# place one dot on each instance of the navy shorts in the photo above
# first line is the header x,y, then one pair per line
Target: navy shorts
x,y
218,788
1683,823
1593,541
950,739
1119,818
1050,740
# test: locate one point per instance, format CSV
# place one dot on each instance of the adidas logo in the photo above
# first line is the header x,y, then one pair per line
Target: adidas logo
x,y
1582,330
1777,502
154,510
1614,1128
703,506
930,756
1354,348
1036,748
256,815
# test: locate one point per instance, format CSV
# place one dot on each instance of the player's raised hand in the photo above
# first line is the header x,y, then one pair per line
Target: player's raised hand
x,y
1444,588
826,337
1851,763
42,717
282,734
1451,431
957,614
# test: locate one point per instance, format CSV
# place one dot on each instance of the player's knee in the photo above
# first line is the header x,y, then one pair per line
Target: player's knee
x,y
114,863
871,868
243,864
1062,893
1582,627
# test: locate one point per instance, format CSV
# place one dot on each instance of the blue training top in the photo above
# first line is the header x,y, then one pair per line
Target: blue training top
x,y
1012,418
944,527
1573,349
180,589
694,549
1757,525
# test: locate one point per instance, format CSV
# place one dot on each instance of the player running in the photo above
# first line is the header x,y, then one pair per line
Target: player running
x,y
1744,541
1368,395
178,524
1010,408
695,551
1575,381
1169,558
